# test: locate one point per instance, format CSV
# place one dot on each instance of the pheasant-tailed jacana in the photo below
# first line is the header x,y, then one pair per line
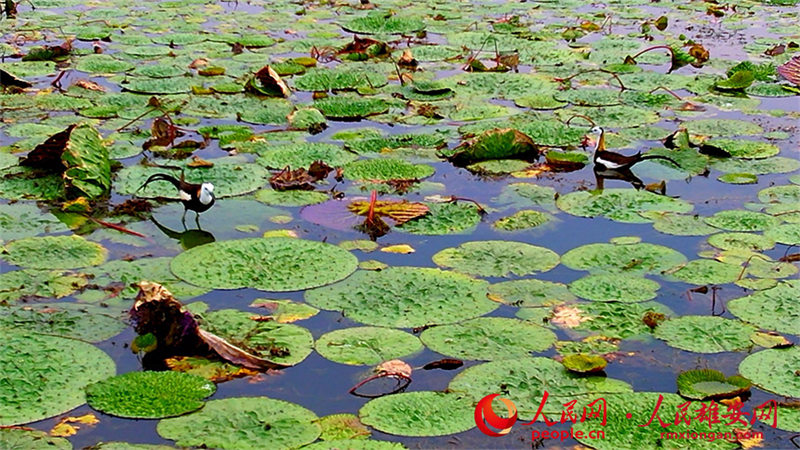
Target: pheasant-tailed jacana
x,y
197,197
615,161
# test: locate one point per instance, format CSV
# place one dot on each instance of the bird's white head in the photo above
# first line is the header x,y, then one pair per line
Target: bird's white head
x,y
206,193
596,130
599,138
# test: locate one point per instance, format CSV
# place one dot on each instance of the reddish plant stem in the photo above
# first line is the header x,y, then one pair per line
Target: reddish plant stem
x,y
119,228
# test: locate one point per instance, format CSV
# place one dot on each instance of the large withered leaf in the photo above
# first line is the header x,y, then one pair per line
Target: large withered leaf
x,y
400,211
267,82
9,79
499,143
791,70
78,153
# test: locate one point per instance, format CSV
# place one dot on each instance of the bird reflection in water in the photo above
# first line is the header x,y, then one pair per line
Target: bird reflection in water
x,y
187,238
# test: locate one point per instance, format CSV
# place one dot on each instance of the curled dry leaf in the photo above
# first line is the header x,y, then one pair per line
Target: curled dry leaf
x,y
64,427
394,367
199,62
267,82
90,85
200,162
568,316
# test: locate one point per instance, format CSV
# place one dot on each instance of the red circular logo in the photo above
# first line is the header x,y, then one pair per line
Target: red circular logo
x,y
485,415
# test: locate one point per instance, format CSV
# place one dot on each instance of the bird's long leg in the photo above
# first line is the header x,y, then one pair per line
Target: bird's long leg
x,y
197,219
183,219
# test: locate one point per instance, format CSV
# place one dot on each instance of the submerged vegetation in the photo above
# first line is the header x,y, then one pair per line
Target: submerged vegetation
x,y
407,186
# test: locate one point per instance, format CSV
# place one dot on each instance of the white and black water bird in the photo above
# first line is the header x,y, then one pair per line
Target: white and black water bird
x,y
196,197
607,160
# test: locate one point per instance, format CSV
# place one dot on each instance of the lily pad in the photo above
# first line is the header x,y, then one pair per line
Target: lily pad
x,y
582,363
230,177
522,220
350,107
54,252
524,381
745,149
303,154
623,258
530,293
86,322
772,309
381,22
788,234
385,169
705,271
625,411
623,205
775,164
618,320
291,198
745,241
497,258
274,264
616,288
444,218
405,297
488,338
44,376
723,127
774,370
20,220
707,384
149,395
422,413
679,224
280,343
738,178
18,284
505,143
20,438
257,420
366,345
705,334
741,220
340,78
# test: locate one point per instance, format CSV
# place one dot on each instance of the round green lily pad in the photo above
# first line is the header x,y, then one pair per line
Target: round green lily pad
x,y
54,252
86,322
679,224
349,107
705,334
744,241
530,293
281,343
19,438
19,220
742,220
629,258
255,420
772,309
522,220
385,169
789,193
788,418
366,345
230,177
704,384
444,218
303,154
524,381
17,284
382,23
45,375
707,271
788,234
745,149
723,127
775,164
422,413
738,178
628,413
291,198
618,320
405,297
774,370
497,258
622,205
149,395
488,338
273,264
342,427
614,288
